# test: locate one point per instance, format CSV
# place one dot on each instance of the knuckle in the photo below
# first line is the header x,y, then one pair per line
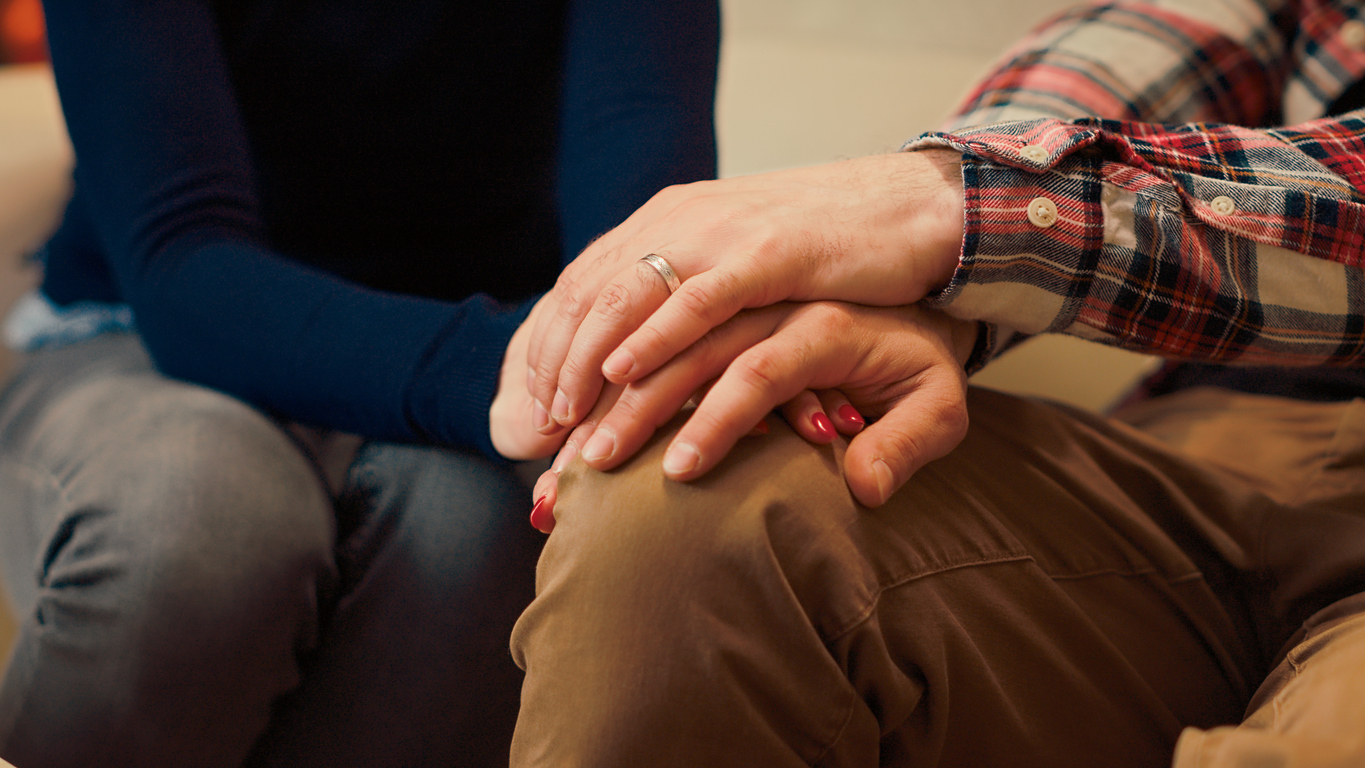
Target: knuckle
x,y
907,447
573,369
694,298
673,192
648,337
607,257
760,370
570,292
712,299
833,317
541,374
955,419
614,300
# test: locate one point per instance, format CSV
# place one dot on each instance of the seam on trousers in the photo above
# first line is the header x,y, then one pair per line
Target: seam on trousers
x,y
1128,574
1296,664
853,701
42,539
868,610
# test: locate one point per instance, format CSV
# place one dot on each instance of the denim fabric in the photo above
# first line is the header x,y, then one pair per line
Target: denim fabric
x,y
191,591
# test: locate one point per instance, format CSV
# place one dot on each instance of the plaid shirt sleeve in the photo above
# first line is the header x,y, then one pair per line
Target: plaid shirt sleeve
x,y
1123,182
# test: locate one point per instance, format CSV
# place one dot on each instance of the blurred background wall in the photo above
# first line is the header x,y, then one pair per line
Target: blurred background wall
x,y
810,81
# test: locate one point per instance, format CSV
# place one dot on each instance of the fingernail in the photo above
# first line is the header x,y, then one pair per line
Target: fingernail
x,y
600,446
541,518
559,409
540,418
620,364
823,426
761,428
566,455
681,459
885,480
850,414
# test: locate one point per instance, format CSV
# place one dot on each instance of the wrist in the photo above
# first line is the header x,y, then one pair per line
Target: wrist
x,y
949,215
932,216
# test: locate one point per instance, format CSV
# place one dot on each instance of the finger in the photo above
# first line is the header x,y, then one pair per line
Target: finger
x,y
621,306
651,402
543,511
799,354
511,416
702,303
577,287
923,426
807,416
841,412
570,450
546,491
565,306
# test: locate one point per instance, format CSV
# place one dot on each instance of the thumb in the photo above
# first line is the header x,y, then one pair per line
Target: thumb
x,y
924,425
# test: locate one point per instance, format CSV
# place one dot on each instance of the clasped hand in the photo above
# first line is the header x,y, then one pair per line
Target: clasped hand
x,y
761,257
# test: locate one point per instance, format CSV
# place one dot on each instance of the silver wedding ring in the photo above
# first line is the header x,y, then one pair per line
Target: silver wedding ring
x,y
664,269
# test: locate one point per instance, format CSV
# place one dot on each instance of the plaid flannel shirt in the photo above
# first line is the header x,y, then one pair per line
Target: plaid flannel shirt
x,y
1125,181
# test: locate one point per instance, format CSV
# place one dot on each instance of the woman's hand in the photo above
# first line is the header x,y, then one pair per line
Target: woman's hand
x,y
903,366
883,230
509,417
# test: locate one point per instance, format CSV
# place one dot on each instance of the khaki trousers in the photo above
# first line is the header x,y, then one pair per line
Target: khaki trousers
x,y
1062,590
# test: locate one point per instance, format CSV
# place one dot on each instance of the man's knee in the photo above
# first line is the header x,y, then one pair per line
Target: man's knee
x,y
776,505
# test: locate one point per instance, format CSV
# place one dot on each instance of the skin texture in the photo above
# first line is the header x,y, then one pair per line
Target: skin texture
x,y
902,366
883,230
798,291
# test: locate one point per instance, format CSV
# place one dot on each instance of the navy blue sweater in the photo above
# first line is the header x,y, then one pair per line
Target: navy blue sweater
x,y
340,210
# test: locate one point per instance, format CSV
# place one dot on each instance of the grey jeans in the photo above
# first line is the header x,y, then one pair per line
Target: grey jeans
x,y
200,585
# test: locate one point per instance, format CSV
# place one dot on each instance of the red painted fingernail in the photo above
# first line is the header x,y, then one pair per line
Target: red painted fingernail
x,y
823,426
761,428
542,519
850,414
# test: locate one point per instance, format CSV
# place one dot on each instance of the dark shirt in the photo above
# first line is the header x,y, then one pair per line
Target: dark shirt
x,y
340,211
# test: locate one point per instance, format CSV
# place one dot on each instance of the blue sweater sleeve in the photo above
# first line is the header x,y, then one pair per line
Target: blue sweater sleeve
x,y
638,108
165,173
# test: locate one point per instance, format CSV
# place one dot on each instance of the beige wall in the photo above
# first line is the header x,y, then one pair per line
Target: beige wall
x,y
810,81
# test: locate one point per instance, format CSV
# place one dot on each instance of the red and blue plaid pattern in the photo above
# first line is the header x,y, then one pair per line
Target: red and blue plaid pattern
x,y
1188,225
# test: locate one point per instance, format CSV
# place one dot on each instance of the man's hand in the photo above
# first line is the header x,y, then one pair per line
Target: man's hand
x,y
903,366
882,230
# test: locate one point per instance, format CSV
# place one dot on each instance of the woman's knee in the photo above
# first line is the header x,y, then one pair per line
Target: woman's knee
x,y
451,521
183,501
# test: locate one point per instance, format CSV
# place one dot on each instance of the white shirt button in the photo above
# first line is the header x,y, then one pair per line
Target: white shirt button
x,y
1353,34
1042,212
1222,205
1034,153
